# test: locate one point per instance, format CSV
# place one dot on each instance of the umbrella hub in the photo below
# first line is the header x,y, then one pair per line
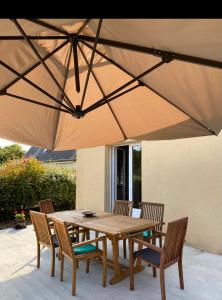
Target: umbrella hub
x,y
78,113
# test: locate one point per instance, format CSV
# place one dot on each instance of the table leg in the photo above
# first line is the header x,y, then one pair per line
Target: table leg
x,y
116,266
120,271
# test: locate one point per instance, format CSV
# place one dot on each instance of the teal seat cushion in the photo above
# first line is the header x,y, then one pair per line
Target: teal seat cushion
x,y
84,249
147,234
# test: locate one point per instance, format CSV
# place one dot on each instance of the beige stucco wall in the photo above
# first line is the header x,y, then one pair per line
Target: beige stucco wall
x,y
186,175
92,178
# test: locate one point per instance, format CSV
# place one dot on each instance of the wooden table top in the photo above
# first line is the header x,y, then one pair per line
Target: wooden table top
x,y
73,216
105,222
117,224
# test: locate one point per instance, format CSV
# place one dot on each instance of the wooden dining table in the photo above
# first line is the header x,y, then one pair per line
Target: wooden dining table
x,y
115,227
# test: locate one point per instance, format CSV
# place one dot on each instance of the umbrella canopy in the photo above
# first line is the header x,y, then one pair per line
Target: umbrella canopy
x,y
69,84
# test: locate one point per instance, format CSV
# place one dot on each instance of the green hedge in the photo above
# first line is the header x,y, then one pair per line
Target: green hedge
x,y
24,182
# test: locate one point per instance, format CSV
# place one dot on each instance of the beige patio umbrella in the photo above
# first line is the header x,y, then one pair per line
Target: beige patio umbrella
x,y
69,84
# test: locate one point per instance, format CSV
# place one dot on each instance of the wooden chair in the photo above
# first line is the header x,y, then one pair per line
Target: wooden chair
x,y
161,258
46,206
44,237
81,251
124,208
155,212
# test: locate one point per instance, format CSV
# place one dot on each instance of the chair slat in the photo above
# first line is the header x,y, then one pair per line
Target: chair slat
x,y
123,207
153,211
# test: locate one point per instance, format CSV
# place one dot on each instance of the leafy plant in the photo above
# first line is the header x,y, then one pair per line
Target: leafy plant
x,y
14,151
24,182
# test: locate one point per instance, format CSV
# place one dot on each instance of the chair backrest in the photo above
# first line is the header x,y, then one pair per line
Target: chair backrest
x,y
65,243
123,207
46,206
152,211
41,226
173,244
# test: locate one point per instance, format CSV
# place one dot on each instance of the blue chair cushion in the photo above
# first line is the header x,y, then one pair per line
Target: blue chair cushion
x,y
149,255
147,234
56,242
84,249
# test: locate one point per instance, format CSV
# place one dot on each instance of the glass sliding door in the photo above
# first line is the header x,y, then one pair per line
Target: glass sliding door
x,y
126,183
136,175
122,173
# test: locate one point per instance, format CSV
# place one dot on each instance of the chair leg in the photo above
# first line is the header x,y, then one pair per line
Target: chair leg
x,y
96,236
73,279
77,235
154,269
83,237
38,255
61,266
180,268
154,272
87,265
131,263
53,262
160,241
162,284
104,271
124,248
58,254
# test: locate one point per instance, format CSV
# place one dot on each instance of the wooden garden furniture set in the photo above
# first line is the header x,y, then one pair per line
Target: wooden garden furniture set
x,y
115,226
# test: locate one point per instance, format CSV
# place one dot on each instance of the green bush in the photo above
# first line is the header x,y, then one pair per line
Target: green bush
x,y
26,181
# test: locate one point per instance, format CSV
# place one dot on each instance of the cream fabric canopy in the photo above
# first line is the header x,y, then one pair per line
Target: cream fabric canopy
x,y
69,84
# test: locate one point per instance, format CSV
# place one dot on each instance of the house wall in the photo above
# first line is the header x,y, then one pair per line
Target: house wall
x,y
92,178
186,175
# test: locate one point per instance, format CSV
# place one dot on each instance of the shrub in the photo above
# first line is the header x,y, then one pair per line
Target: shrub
x,y
26,181
14,151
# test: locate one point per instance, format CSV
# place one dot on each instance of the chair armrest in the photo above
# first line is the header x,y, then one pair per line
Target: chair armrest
x,y
102,238
148,245
156,232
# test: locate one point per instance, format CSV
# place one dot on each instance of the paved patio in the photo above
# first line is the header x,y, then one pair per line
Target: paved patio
x,y
20,279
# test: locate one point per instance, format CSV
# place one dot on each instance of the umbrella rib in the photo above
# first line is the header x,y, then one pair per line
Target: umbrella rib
x,y
147,86
33,84
138,77
83,26
34,66
64,86
18,26
49,26
74,43
34,102
104,95
31,37
91,62
155,52
106,101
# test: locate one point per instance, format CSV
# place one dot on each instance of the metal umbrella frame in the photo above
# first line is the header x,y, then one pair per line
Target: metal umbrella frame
x,y
76,40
